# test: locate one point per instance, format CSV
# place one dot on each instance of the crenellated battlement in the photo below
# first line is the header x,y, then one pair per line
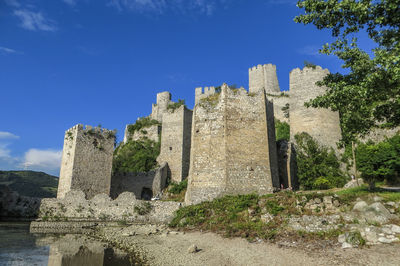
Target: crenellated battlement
x,y
263,77
201,93
91,131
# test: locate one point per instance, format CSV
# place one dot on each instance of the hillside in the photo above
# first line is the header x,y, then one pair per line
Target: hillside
x,y
30,183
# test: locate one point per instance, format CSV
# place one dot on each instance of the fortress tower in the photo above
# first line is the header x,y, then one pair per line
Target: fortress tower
x,y
175,142
233,148
86,161
322,124
263,77
158,109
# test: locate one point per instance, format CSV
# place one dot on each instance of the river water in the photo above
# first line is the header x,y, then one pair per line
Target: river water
x,y
19,247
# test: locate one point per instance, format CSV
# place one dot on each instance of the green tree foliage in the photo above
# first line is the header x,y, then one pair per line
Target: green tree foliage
x,y
282,130
379,162
136,156
318,166
141,123
369,95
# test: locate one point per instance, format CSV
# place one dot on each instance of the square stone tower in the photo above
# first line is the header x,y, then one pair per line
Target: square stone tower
x,y
175,142
233,148
86,161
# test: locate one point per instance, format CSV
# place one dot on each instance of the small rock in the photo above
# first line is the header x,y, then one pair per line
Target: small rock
x,y
317,200
346,245
327,200
395,229
377,198
387,240
360,206
336,203
391,203
266,218
193,249
342,238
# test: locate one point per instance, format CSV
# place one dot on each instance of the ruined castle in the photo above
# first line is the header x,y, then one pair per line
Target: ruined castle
x,y
226,145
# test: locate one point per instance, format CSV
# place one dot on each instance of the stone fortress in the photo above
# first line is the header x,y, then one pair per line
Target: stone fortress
x,y
225,146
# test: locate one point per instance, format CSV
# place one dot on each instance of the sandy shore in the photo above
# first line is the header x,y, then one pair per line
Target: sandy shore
x,y
157,245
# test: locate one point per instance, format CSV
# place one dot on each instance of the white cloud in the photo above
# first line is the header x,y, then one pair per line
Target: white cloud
x,y
42,159
4,151
34,20
5,50
160,6
7,135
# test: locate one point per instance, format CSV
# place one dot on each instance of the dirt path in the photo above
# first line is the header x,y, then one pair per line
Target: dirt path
x,y
160,248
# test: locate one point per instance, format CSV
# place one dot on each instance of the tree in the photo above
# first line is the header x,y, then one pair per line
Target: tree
x,y
318,166
380,161
369,95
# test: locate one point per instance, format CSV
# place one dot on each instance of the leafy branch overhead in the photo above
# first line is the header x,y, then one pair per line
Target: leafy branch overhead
x,y
369,95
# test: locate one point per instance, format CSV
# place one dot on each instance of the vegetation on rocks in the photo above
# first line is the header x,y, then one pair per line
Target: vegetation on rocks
x,y
318,166
282,130
141,123
173,106
268,216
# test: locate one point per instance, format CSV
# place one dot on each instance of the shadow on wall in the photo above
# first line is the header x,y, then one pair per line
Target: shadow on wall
x,y
143,185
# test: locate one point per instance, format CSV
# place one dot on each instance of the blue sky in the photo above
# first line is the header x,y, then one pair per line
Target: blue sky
x,y
64,62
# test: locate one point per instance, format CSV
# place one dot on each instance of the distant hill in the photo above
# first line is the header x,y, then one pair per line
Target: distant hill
x,y
30,183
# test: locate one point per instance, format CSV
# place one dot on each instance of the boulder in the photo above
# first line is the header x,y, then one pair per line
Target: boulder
x,y
193,249
353,183
360,206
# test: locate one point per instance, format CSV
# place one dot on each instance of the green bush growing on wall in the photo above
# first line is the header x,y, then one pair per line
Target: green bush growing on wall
x,y
380,161
282,130
318,166
142,122
136,156
173,106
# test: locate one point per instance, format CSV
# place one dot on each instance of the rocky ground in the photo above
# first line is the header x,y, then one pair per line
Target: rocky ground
x,y
158,245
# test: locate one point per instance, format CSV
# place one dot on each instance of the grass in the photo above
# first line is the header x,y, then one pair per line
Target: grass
x,y
241,216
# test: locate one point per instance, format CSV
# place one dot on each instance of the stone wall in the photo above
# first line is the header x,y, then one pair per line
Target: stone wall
x,y
322,124
151,132
143,185
233,146
175,142
201,93
86,161
74,207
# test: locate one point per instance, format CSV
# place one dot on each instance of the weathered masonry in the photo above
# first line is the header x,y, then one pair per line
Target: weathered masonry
x,y
322,124
86,161
175,142
233,145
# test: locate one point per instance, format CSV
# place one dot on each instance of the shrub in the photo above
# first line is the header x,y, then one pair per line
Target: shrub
x,y
318,166
379,162
282,130
174,106
141,123
136,156
177,188
143,208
